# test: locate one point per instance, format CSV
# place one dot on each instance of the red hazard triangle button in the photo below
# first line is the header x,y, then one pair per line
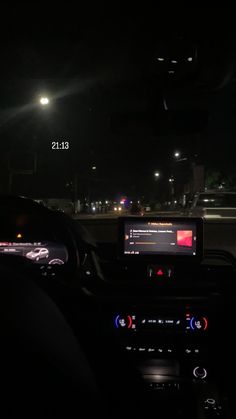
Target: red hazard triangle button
x,y
160,272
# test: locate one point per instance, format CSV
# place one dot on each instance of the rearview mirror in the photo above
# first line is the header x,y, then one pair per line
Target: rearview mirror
x,y
178,121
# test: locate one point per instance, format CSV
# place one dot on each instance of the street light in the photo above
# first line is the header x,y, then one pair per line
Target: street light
x,y
157,174
44,101
177,154
172,190
94,167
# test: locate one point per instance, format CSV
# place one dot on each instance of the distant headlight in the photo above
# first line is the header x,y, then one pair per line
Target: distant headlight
x,y
115,209
119,209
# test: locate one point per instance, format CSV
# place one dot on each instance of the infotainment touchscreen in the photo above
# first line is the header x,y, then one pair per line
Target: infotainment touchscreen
x,y
173,237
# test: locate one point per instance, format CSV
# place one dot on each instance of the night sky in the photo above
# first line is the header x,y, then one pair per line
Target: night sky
x,y
99,72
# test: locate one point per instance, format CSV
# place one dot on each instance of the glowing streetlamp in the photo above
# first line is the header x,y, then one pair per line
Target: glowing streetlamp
x,y
177,154
44,100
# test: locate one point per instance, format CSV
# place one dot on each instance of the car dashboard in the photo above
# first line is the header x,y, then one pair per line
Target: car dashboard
x,y
166,320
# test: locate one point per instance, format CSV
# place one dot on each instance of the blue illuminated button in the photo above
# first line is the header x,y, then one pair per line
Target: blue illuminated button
x,y
199,323
123,322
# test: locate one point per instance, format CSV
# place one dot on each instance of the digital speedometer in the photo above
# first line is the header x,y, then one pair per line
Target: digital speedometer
x,y
47,253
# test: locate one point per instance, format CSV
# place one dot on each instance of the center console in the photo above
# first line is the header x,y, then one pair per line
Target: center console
x,y
171,341
173,347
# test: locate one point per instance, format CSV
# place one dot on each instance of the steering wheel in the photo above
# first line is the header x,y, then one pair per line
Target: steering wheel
x,y
43,367
44,372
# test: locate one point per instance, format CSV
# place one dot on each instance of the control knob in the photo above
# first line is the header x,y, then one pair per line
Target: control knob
x,y
123,322
200,372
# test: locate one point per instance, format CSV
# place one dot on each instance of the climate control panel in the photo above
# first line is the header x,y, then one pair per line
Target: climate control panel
x,y
197,324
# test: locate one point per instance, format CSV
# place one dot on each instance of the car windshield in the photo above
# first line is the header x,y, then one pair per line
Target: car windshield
x,y
130,114
216,200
